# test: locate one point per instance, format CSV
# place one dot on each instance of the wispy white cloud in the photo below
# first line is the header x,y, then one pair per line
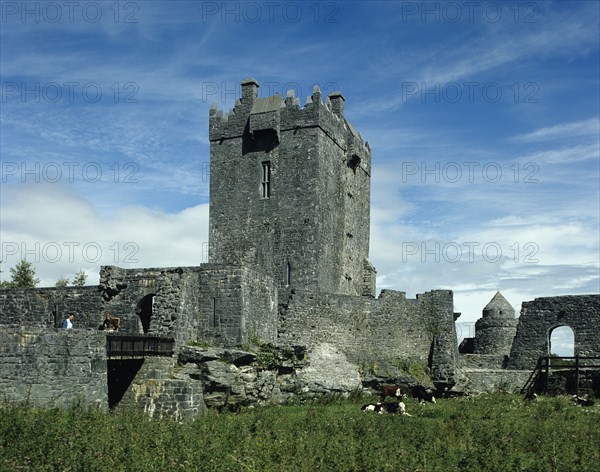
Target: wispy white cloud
x,y
589,127
61,232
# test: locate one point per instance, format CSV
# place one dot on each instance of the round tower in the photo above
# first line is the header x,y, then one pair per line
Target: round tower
x,y
496,329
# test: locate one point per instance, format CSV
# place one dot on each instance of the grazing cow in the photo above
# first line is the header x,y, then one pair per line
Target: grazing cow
x,y
531,396
399,407
391,391
579,401
390,407
376,407
422,394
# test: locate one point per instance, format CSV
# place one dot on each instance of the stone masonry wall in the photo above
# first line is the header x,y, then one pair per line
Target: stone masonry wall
x,y
365,329
48,307
53,368
159,392
238,303
161,301
540,316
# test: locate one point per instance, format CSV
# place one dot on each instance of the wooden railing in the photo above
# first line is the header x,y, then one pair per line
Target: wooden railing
x,y
132,346
548,367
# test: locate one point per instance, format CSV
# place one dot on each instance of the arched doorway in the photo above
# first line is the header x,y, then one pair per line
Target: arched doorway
x,y
561,341
145,312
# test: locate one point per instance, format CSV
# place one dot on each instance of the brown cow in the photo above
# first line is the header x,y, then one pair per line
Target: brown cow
x,y
391,391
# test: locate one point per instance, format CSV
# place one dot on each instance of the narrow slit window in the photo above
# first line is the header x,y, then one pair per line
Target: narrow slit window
x,y
215,321
288,274
265,180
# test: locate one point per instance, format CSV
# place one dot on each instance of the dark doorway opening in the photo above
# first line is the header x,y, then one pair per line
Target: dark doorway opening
x,y
145,312
120,375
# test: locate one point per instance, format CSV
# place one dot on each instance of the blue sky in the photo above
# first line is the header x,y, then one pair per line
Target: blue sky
x,y
483,118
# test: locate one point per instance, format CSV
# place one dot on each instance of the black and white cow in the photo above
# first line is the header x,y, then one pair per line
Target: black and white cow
x,y
579,401
422,394
531,396
399,407
390,407
376,407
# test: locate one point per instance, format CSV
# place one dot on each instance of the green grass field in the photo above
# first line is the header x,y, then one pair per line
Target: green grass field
x,y
488,433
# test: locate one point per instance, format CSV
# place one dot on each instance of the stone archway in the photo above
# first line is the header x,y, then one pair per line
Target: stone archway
x,y
561,341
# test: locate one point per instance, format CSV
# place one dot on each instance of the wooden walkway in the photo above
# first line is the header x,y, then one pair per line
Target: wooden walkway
x,y
138,346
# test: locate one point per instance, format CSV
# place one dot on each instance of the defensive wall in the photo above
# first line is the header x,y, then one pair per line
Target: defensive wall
x,y
367,329
51,367
539,317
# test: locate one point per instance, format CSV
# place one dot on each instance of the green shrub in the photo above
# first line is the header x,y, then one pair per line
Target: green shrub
x,y
488,433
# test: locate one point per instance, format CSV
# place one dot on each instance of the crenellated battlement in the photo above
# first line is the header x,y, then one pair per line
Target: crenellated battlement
x,y
252,115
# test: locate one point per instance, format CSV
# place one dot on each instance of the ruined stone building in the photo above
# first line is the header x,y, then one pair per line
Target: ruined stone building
x,y
288,268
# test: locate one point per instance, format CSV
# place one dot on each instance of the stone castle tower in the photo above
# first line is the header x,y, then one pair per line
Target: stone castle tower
x,y
496,329
290,192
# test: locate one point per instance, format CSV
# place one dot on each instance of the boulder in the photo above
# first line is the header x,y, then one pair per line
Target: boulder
x,y
329,371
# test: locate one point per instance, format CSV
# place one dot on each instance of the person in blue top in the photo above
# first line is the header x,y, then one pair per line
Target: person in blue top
x,y
68,323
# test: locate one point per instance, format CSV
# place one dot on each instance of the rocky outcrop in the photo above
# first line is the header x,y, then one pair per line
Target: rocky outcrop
x,y
232,378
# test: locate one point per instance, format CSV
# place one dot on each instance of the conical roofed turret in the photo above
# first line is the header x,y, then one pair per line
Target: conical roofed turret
x,y
499,306
495,330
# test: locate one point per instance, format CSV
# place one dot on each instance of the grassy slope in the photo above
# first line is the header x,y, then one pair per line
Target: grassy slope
x,y
492,432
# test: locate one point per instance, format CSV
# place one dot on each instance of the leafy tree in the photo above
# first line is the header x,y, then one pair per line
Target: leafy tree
x,y
62,282
80,278
4,283
23,275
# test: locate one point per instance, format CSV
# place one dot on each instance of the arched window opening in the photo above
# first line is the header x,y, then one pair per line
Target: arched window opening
x,y
561,342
